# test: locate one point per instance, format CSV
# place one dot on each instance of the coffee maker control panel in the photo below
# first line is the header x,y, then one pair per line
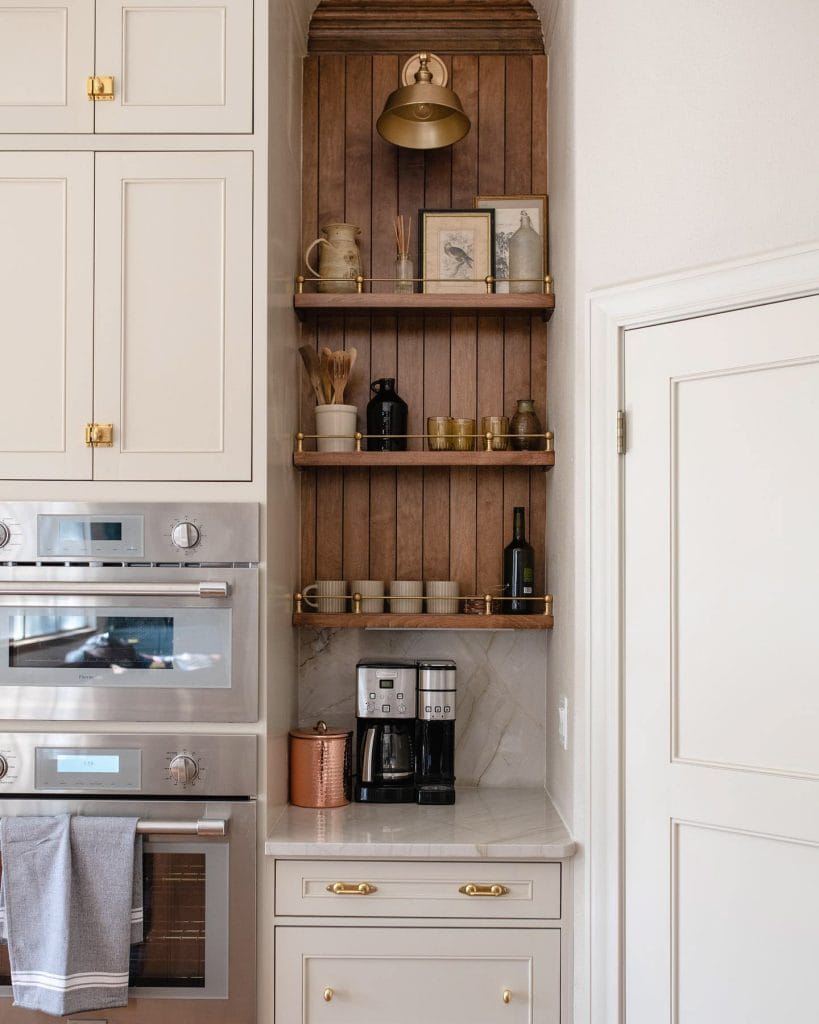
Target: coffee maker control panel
x,y
386,690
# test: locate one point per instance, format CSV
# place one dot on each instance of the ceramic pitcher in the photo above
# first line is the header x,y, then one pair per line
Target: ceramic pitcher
x,y
339,258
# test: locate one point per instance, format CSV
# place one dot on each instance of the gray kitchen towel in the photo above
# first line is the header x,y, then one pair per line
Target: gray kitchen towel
x,y
68,886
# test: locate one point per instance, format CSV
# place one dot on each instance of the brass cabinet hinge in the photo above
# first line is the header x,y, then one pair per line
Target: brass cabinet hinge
x,y
100,87
621,432
99,435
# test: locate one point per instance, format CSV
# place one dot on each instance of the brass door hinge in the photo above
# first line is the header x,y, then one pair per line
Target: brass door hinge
x,y
99,435
621,432
100,87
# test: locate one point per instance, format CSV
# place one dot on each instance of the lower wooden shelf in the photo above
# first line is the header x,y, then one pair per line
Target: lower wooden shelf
x,y
386,620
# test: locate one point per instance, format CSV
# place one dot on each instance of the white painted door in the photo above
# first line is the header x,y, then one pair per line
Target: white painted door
x,y
185,66
173,315
721,672
46,297
46,55
414,975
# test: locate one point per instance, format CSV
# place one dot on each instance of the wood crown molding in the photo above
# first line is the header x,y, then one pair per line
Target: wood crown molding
x,y
404,26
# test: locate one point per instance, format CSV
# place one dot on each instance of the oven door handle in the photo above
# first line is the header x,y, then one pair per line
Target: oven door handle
x,y
202,827
58,588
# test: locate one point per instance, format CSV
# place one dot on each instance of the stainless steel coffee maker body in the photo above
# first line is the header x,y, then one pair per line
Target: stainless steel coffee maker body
x,y
385,731
435,733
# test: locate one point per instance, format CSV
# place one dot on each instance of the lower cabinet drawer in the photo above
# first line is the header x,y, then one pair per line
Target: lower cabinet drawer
x,y
418,889
430,975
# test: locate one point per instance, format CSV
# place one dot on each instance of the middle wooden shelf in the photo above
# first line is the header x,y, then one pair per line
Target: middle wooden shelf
x,y
422,460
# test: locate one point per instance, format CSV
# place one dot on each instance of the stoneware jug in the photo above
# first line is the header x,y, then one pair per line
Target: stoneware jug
x,y
339,258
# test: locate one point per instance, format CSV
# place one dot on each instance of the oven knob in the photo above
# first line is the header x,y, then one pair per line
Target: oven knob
x,y
183,769
4,766
5,536
185,535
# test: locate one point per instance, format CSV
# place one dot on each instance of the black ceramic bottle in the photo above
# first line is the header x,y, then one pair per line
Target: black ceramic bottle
x,y
518,569
386,414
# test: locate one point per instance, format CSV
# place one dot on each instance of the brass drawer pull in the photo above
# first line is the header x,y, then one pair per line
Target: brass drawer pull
x,y
471,889
507,996
328,995
351,889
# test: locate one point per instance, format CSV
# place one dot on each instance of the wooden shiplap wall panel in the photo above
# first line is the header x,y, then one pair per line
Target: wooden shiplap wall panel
x,y
430,524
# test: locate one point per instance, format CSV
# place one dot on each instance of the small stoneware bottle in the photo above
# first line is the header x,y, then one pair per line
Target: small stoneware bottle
x,y
525,424
525,258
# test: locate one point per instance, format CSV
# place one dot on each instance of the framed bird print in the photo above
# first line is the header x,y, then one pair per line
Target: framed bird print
x,y
457,250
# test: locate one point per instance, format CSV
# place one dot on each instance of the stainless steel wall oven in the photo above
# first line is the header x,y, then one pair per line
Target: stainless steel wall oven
x,y
193,796
124,612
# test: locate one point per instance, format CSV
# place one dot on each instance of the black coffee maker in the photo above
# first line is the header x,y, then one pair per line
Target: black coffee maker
x,y
385,731
435,733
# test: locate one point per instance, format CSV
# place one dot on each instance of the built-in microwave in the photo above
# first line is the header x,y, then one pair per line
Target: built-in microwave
x,y
123,612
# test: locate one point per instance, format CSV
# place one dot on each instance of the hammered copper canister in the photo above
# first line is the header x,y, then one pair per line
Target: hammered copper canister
x,y
320,766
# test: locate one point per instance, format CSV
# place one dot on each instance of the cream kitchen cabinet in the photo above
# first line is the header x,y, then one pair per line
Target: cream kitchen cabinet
x,y
125,284
400,941
181,67
405,975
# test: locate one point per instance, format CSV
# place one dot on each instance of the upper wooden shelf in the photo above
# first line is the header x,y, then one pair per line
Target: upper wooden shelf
x,y
312,304
421,460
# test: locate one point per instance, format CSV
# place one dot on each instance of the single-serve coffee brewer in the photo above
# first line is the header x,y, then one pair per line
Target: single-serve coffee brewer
x,y
435,733
405,732
385,731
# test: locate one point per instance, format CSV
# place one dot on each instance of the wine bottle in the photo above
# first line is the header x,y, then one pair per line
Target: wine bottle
x,y
518,569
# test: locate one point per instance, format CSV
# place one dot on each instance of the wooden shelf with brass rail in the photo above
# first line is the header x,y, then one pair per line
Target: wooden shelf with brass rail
x,y
422,460
425,620
315,304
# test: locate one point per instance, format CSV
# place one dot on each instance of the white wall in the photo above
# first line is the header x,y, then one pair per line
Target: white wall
x,y
680,135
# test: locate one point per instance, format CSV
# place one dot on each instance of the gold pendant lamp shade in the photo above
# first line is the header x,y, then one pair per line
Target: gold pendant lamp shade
x,y
423,113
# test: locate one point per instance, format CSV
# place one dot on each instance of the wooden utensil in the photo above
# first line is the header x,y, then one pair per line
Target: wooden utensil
x,y
325,364
311,362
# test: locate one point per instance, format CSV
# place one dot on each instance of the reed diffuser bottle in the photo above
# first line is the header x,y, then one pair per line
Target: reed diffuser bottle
x,y
403,283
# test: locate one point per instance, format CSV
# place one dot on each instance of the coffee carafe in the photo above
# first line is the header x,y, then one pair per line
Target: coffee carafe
x,y
435,733
385,731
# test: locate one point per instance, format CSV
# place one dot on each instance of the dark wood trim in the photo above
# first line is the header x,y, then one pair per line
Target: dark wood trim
x,y
395,26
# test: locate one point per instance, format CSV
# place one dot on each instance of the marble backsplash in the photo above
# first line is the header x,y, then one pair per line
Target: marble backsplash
x,y
499,729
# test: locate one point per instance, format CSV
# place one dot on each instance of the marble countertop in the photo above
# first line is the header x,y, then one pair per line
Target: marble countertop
x,y
486,822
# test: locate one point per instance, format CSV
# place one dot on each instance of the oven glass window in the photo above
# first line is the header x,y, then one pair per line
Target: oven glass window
x,y
172,954
101,641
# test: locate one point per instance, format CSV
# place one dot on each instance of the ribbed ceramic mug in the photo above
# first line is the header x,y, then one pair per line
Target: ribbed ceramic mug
x,y
330,596
406,596
372,595
442,597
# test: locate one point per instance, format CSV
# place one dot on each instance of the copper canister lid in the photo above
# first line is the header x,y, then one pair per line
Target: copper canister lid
x,y
320,766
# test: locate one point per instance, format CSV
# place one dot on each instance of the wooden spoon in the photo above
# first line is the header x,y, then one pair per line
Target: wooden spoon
x,y
311,362
325,365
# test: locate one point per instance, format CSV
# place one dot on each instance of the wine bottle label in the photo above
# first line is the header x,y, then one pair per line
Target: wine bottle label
x,y
528,576
528,590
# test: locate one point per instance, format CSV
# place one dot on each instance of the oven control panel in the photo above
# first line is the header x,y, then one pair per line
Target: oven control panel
x,y
152,765
118,531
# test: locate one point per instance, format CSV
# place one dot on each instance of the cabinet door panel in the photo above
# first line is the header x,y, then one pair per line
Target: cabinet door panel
x,y
402,976
185,66
173,315
46,54
46,258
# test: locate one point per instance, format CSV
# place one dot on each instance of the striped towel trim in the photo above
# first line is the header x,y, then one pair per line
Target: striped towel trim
x,y
70,982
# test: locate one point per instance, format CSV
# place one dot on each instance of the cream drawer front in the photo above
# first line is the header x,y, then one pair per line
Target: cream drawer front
x,y
411,889
433,975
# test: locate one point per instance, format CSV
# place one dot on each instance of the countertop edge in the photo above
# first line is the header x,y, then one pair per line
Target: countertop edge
x,y
419,851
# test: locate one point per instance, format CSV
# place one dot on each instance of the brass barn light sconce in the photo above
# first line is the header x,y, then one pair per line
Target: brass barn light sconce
x,y
423,113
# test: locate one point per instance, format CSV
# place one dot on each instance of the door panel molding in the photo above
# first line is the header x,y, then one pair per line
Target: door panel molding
x,y
788,274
